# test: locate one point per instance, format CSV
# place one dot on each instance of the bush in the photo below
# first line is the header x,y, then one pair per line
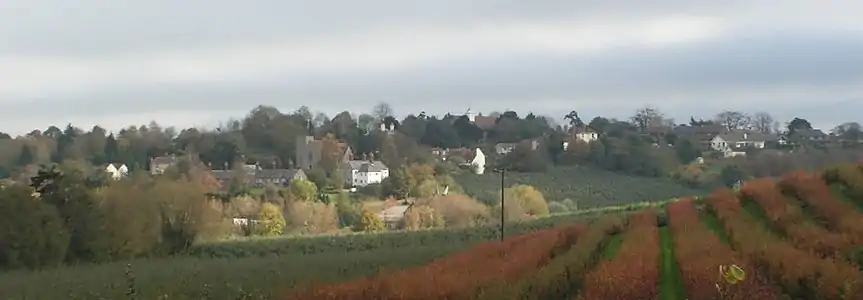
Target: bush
x,y
348,211
311,218
133,224
459,210
557,207
423,217
302,190
369,222
31,232
270,221
524,202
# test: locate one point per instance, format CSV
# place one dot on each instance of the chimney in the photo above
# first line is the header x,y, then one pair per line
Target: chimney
x,y
365,156
226,165
745,135
274,164
371,157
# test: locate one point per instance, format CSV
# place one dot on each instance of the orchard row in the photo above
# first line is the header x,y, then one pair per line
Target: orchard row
x,y
798,236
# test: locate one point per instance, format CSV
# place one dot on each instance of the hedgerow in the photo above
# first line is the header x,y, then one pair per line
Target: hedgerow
x,y
838,216
461,276
790,220
588,187
700,253
634,272
848,176
801,274
562,277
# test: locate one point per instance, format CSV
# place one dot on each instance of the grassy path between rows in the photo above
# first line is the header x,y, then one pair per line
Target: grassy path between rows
x,y
670,285
612,247
842,195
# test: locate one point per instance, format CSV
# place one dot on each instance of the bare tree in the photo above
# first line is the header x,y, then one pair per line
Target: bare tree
x,y
732,120
763,122
382,110
647,116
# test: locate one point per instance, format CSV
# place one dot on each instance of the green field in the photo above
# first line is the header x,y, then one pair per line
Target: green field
x,y
260,268
589,187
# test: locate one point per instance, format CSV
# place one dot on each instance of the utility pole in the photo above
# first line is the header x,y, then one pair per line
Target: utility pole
x,y
502,205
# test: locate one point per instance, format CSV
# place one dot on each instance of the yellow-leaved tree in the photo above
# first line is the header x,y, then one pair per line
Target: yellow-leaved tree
x,y
270,221
523,202
369,222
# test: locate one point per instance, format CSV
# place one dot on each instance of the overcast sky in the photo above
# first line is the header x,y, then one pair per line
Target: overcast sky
x,y
196,62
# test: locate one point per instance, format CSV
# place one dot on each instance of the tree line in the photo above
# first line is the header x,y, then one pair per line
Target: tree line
x,y
267,136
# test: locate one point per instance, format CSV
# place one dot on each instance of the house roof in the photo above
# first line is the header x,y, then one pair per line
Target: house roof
x,y
367,166
710,129
222,174
393,213
116,165
164,160
500,146
277,173
581,129
738,136
485,122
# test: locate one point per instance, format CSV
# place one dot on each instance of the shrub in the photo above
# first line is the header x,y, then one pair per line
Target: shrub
x,y
270,221
465,275
422,217
801,274
458,210
31,232
634,272
789,219
348,211
369,222
302,190
133,224
557,207
699,253
562,277
311,217
839,216
528,198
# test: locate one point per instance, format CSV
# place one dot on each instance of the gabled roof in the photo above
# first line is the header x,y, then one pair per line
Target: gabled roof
x,y
367,166
393,213
165,160
277,173
485,122
115,165
743,136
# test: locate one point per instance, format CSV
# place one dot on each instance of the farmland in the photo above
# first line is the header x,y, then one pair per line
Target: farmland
x,y
796,237
591,187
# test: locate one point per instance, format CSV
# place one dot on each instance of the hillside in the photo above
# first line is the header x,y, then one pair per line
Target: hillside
x,y
796,237
590,187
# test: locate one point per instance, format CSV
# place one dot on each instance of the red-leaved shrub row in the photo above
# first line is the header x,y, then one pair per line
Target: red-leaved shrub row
x,y
634,273
802,274
789,218
699,253
459,276
562,276
840,216
849,176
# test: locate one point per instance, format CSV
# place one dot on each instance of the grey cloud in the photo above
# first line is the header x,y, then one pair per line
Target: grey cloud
x,y
106,27
628,78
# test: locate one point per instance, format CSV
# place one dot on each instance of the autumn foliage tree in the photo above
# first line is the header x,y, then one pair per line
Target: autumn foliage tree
x,y
369,222
270,221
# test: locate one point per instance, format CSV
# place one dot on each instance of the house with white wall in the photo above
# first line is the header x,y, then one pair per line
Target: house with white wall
x,y
477,162
364,172
117,170
735,143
